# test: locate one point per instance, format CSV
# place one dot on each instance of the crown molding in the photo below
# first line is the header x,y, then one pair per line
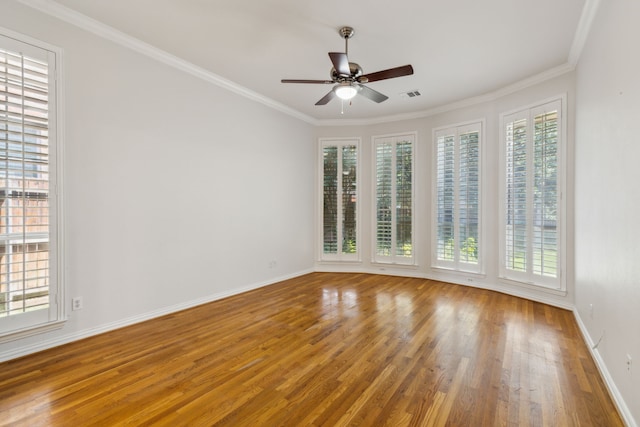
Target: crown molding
x,y
91,25
589,12
468,102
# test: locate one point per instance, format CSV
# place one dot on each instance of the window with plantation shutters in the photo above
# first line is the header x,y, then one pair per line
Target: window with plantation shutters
x,y
339,199
531,208
456,220
28,282
394,198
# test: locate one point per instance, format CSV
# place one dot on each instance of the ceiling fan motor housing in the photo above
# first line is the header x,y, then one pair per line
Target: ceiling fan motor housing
x,y
354,69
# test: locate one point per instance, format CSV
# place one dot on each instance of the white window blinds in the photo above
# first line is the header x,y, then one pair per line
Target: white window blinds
x,y
28,285
339,199
531,198
457,198
394,199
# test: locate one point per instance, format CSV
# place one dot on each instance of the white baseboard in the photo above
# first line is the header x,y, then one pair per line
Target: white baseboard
x,y
623,409
86,333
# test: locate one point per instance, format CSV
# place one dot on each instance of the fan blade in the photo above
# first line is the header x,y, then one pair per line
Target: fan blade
x,y
405,70
373,95
340,63
326,82
325,99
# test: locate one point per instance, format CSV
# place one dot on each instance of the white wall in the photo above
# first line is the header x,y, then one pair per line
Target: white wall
x,y
176,190
489,112
607,195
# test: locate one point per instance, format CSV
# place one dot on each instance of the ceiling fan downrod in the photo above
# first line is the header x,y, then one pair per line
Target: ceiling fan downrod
x,y
346,33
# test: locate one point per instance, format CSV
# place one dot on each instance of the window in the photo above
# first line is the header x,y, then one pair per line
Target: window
x,y
339,199
456,198
531,193
29,259
394,199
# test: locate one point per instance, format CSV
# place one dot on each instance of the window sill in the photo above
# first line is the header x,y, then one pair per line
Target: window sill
x,y
340,261
28,332
446,270
533,286
382,264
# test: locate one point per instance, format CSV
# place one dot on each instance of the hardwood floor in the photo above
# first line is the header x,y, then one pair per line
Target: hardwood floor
x,y
325,350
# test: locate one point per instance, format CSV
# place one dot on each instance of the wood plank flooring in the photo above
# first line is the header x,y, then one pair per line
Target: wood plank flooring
x,y
324,349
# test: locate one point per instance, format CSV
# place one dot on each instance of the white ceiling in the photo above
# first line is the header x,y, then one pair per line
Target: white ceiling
x,y
458,48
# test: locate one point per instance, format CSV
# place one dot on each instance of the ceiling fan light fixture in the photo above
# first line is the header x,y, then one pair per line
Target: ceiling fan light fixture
x,y
346,91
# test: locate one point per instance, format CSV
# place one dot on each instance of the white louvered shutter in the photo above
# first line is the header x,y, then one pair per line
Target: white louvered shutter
x,y
27,297
394,198
530,243
339,191
457,221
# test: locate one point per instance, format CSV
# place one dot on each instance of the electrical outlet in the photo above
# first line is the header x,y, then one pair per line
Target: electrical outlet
x,y
76,303
273,264
629,360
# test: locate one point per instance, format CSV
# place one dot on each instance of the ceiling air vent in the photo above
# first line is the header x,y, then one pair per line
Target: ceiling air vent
x,y
410,94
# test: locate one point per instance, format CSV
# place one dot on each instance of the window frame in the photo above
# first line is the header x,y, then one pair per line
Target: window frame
x,y
394,259
529,278
339,256
456,264
40,321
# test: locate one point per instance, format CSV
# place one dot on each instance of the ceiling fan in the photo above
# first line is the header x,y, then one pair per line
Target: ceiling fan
x,y
348,77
